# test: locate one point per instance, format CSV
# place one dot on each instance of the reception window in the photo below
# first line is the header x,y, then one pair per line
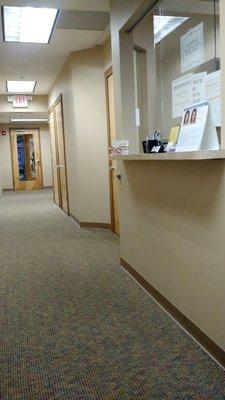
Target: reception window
x,y
176,64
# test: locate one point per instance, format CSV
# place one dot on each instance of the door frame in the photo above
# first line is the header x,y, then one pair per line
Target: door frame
x,y
108,73
52,109
11,144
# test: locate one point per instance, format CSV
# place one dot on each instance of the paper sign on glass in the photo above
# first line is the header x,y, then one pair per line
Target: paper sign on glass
x,y
213,94
187,90
182,94
192,48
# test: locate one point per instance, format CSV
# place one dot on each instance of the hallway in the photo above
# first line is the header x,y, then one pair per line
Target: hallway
x,y
76,326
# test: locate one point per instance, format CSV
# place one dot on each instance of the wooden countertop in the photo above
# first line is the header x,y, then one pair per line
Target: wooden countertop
x,y
192,155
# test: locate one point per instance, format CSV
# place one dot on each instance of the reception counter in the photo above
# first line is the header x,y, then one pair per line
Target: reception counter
x,y
172,222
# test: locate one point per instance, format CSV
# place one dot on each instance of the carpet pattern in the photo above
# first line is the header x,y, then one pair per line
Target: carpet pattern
x,y
74,325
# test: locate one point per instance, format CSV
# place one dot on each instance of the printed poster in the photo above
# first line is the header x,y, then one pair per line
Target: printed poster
x,y
192,48
193,127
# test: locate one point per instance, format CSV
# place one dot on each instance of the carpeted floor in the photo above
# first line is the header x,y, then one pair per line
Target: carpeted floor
x,y
75,326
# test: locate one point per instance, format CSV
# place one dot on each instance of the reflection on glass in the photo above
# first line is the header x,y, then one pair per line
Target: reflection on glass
x,y
26,157
176,64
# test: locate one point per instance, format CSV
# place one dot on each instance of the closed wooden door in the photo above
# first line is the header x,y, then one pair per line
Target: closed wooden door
x,y
113,164
61,156
26,159
58,156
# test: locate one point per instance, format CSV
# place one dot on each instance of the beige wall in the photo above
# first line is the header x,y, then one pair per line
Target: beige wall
x,y
82,85
5,156
172,217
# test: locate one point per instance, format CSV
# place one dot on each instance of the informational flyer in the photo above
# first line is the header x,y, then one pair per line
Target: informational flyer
x,y
213,95
193,127
199,93
188,90
192,48
173,138
182,94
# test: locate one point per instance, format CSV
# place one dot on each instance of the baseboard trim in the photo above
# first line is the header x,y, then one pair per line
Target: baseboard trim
x,y
93,225
208,344
75,219
8,190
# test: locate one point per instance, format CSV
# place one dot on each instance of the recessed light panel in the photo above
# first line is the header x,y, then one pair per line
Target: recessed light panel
x,y
28,24
164,25
20,86
28,120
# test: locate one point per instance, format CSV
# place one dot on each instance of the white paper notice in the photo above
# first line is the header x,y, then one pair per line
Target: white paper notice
x,y
187,90
213,95
192,48
199,87
138,116
182,94
193,127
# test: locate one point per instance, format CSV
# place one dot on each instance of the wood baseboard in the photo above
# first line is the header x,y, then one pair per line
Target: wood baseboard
x,y
208,344
75,219
93,225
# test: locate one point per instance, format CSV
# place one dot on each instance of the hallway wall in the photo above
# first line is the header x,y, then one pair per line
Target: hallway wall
x,y
81,83
5,156
176,207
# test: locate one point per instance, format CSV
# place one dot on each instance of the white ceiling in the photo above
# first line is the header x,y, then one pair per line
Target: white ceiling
x,y
43,62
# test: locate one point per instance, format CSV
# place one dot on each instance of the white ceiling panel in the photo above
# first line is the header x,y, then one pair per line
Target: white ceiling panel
x,y
75,37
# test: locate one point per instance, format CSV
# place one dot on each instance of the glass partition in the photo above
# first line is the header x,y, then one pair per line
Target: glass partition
x,y
176,64
26,157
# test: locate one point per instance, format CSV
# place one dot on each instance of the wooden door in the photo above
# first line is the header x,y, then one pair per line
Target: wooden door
x,y
58,155
26,159
112,164
61,156
54,150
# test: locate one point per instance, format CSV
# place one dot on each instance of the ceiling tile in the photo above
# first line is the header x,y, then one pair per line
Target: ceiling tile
x,y
75,37
83,20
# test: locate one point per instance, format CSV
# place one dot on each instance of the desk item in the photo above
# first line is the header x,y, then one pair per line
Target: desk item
x,y
173,138
121,147
158,149
197,129
149,144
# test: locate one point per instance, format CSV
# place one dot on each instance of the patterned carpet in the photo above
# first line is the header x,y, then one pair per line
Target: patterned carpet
x,y
75,326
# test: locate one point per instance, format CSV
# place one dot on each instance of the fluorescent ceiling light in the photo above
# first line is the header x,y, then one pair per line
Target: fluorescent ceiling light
x,y
164,25
20,86
28,119
28,24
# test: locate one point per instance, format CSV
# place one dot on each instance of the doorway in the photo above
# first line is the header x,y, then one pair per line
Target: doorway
x,y
112,164
58,155
26,159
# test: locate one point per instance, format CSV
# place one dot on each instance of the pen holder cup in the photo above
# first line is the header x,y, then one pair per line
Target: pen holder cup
x,y
149,144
